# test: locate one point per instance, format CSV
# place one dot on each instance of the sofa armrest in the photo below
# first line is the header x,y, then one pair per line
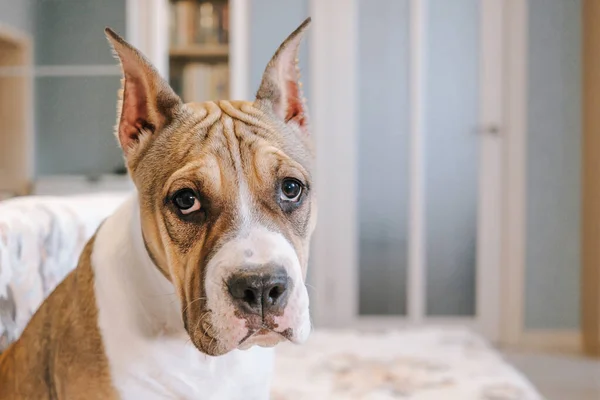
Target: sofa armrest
x,y
40,242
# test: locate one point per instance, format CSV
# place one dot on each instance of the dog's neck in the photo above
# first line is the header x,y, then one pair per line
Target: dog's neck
x,y
139,293
139,317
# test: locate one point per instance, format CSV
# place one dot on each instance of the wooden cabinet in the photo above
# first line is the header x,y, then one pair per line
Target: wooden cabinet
x,y
16,136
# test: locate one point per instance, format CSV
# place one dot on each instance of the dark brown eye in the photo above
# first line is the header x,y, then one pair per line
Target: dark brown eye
x,y
186,201
291,189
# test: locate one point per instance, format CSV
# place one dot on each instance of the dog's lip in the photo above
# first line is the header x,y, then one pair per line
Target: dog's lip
x,y
263,330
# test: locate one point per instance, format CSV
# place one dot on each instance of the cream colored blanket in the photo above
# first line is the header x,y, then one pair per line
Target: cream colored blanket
x,y
413,364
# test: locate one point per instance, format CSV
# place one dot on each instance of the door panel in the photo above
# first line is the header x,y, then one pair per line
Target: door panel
x,y
451,156
383,151
418,239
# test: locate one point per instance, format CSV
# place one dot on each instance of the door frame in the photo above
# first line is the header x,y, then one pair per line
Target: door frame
x,y
334,99
333,77
152,38
514,158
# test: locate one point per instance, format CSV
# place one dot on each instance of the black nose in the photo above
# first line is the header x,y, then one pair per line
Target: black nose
x,y
261,291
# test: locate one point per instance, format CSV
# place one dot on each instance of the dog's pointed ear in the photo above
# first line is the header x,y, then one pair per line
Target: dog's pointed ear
x,y
281,90
146,101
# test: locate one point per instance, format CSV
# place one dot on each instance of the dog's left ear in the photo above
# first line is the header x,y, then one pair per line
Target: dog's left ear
x,y
280,90
146,102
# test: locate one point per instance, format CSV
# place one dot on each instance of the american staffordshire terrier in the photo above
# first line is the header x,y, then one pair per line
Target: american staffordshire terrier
x,y
183,292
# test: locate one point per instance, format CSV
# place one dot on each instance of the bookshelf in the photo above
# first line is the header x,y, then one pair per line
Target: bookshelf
x,y
201,52
199,49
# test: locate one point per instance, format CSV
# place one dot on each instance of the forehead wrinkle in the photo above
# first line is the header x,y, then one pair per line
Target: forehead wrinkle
x,y
283,159
232,140
254,161
195,135
194,156
253,119
178,140
295,145
206,165
191,132
245,112
287,143
191,125
208,112
236,132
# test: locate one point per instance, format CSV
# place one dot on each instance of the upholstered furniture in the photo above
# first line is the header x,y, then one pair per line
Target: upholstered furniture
x,y
40,241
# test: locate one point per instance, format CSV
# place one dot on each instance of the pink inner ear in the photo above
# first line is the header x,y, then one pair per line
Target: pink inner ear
x,y
134,115
295,107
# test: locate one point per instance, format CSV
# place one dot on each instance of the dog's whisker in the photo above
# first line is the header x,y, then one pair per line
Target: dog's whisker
x,y
200,320
311,287
192,302
163,294
210,344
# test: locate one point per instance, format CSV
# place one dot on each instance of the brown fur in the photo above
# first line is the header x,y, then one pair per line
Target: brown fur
x,y
60,354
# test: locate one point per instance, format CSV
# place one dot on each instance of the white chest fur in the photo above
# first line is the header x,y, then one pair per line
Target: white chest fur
x,y
149,353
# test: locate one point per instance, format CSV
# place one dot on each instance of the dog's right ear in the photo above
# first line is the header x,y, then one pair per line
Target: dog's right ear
x,y
146,102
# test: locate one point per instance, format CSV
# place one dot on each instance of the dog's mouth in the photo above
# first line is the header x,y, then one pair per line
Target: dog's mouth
x,y
264,336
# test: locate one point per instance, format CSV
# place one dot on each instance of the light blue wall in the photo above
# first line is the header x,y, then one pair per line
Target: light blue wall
x,y
75,120
553,165
71,32
271,21
18,14
75,116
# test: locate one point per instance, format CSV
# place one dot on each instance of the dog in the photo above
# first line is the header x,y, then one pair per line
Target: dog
x,y
183,292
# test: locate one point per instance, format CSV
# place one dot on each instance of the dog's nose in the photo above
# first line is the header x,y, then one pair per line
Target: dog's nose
x,y
260,292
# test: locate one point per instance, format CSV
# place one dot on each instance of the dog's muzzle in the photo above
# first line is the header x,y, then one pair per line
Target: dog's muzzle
x,y
255,292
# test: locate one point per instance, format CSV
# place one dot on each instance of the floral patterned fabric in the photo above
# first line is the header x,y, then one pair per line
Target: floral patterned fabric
x,y
40,242
413,364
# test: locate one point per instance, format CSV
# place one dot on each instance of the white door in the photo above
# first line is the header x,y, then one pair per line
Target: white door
x,y
407,99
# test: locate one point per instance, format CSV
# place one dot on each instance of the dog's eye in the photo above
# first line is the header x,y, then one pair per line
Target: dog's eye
x,y
187,201
291,189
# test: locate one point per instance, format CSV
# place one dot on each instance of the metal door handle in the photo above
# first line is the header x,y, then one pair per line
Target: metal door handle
x,y
491,129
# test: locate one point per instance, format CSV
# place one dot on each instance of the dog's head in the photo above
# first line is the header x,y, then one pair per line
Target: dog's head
x,y
226,199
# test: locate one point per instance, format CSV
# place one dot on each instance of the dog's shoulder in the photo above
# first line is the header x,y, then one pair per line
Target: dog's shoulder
x,y
60,353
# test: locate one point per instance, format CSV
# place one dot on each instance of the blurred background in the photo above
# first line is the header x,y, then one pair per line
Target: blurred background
x,y
450,136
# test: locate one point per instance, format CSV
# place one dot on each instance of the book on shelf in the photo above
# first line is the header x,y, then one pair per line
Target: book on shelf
x,y
199,22
224,23
184,13
203,82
